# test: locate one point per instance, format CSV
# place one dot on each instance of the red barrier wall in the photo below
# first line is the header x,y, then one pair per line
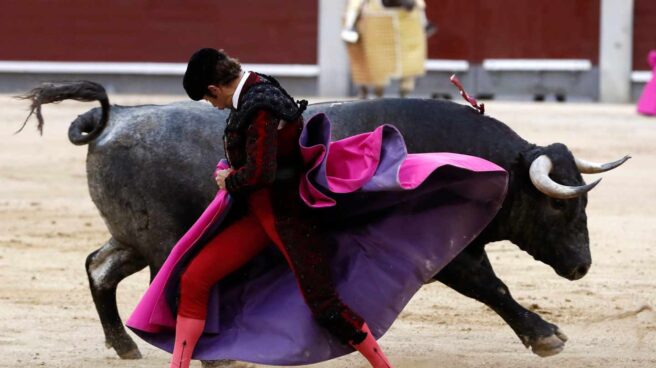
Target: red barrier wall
x,y
285,31
255,31
644,32
478,29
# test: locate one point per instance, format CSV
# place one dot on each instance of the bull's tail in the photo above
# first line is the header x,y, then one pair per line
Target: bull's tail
x,y
81,131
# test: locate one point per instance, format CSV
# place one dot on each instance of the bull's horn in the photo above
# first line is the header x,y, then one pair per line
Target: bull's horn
x,y
539,172
586,167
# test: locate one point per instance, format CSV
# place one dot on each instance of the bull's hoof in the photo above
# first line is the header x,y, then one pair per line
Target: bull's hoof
x,y
131,354
127,349
549,345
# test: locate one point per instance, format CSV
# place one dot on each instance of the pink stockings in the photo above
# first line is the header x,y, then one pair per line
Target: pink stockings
x,y
187,333
369,349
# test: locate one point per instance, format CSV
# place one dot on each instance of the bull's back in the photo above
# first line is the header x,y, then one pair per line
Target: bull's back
x,y
427,126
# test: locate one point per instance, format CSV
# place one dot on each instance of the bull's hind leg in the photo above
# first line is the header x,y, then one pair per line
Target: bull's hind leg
x,y
471,274
106,267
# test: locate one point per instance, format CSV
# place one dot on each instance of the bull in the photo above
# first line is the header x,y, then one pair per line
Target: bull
x,y
150,170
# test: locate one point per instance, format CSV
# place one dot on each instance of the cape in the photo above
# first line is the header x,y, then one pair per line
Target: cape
x,y
647,101
395,220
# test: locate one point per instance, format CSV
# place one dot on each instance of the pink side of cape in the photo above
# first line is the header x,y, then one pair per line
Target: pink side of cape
x,y
417,167
352,161
647,102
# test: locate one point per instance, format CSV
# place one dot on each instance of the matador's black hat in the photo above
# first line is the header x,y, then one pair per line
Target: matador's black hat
x,y
200,70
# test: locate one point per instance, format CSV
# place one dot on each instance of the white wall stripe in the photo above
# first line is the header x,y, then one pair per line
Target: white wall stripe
x,y
443,65
289,70
175,69
567,65
641,76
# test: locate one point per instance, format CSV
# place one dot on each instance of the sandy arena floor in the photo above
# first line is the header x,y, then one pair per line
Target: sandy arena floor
x,y
48,225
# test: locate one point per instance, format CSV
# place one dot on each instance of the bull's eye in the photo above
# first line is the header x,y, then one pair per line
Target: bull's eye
x,y
558,204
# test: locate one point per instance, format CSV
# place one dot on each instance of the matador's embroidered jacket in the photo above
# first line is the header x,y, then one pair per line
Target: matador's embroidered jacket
x,y
261,134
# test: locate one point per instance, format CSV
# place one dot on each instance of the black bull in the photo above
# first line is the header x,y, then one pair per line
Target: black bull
x,y
150,175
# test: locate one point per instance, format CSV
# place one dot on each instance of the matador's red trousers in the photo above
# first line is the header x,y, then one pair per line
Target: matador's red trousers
x,y
245,238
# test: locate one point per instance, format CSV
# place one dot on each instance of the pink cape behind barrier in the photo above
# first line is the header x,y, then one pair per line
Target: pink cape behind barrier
x,y
647,102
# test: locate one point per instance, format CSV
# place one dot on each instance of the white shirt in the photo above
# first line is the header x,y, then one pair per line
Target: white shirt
x,y
235,96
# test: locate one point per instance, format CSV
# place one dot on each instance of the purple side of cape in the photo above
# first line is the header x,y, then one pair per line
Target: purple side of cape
x,y
411,216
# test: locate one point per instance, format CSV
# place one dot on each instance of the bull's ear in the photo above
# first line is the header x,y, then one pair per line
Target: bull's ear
x,y
527,157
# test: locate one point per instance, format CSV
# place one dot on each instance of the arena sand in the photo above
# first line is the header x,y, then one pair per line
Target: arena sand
x,y
48,225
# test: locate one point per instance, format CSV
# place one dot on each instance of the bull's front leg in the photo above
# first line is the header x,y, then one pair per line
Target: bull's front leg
x,y
106,267
471,274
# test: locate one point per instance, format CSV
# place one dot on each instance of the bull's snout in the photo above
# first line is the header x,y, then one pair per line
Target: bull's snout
x,y
578,272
